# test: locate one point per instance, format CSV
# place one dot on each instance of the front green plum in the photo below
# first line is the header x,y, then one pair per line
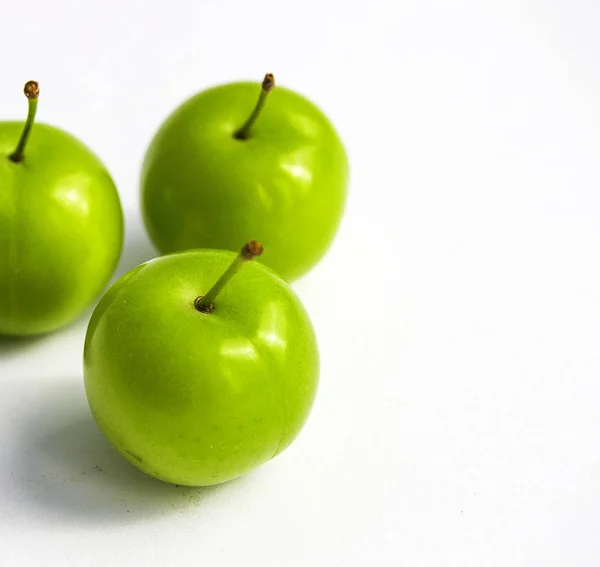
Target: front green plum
x,y
196,398
61,230
284,184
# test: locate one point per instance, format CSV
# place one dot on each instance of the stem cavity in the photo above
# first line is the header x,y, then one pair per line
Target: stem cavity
x,y
206,303
267,86
32,92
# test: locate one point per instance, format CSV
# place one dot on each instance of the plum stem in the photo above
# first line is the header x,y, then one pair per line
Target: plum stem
x,y
32,92
267,86
206,303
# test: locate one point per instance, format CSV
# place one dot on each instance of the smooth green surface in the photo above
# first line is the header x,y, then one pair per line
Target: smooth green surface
x,y
61,230
285,186
197,399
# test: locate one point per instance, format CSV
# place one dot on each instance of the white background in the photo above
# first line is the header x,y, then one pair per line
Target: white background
x,y
458,312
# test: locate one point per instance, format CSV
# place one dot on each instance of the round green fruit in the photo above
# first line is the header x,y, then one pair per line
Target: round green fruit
x,y
194,391
61,226
213,177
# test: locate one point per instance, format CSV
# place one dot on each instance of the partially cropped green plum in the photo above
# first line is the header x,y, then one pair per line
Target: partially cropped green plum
x,y
61,226
195,389
218,173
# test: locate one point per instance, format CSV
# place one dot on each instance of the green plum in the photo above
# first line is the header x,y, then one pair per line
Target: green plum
x,y
194,391
61,226
212,178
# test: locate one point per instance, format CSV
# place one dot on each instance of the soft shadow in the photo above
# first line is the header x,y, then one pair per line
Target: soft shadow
x,y
13,345
137,248
23,347
69,468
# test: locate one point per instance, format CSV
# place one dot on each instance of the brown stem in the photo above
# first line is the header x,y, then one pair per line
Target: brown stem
x,y
267,86
32,92
206,303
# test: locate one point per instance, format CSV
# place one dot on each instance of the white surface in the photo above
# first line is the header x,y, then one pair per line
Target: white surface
x,y
458,313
